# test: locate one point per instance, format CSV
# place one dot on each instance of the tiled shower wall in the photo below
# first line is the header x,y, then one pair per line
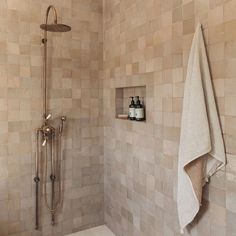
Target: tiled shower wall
x,y
147,42
75,91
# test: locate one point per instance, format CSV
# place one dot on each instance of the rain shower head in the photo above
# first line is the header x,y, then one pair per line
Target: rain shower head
x,y
55,27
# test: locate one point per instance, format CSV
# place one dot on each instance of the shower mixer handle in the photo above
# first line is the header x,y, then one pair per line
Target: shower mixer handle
x,y
44,142
47,116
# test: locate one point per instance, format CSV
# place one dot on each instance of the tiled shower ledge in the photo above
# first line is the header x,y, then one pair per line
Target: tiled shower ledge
x,y
96,231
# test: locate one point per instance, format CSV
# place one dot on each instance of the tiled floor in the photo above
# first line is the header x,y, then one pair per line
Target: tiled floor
x,y
97,231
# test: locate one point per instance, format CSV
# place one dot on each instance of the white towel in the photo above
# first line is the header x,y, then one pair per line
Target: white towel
x,y
201,150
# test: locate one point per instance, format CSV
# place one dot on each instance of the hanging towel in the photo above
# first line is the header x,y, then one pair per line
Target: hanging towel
x,y
201,150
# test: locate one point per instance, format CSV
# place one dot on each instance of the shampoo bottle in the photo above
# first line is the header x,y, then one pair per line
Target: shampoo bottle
x,y
139,111
132,109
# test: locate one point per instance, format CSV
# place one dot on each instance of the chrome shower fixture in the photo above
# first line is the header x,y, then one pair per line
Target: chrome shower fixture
x,y
48,140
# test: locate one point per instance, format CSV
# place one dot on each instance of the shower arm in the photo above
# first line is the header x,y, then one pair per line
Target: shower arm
x,y
47,14
44,41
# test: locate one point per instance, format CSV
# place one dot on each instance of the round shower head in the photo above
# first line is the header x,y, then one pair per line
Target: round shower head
x,y
55,27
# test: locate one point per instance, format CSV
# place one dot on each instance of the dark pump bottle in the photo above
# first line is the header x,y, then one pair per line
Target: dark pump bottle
x,y
139,110
132,109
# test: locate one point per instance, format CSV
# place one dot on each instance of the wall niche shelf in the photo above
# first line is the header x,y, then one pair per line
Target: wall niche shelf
x,y
122,99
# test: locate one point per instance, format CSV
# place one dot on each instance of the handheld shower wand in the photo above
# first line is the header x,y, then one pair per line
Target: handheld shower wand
x,y
49,137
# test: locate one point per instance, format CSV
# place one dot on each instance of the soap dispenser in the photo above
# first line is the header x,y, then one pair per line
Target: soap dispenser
x,y
139,110
144,109
132,109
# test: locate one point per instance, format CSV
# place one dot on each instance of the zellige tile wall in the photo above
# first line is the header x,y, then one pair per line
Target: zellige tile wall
x,y
148,42
74,69
145,42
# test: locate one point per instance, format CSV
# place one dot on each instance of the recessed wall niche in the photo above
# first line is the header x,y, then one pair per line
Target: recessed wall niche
x,y
123,99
